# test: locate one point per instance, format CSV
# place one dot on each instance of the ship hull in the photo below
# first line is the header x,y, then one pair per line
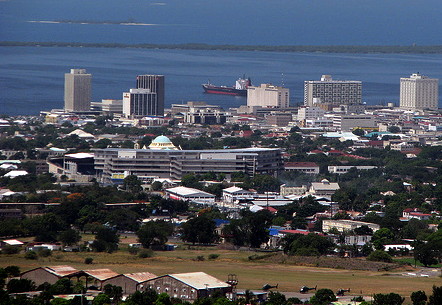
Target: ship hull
x,y
224,90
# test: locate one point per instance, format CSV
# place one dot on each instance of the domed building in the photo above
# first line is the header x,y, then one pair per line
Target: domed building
x,y
162,142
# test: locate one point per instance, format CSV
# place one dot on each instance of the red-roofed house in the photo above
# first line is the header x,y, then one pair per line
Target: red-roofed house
x,y
415,213
245,133
315,152
334,152
298,231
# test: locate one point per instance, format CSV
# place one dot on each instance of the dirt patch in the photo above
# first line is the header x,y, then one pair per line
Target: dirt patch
x,y
332,262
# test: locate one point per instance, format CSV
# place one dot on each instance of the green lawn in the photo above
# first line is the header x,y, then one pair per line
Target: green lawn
x,y
412,262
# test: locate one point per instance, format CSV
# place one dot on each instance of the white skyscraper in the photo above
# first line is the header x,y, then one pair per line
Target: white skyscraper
x,y
419,92
268,96
334,92
77,90
141,102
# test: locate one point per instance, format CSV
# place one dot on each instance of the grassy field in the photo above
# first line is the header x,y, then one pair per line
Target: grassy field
x,y
411,261
251,274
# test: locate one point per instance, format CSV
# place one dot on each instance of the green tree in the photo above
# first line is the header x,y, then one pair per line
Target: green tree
x,y
12,271
380,256
106,239
311,244
250,230
101,299
191,180
62,286
60,301
425,253
275,298
114,292
419,297
163,299
394,129
382,237
157,186
20,285
46,227
200,229
436,297
69,237
132,184
323,297
145,297
359,132
154,233
265,183
388,299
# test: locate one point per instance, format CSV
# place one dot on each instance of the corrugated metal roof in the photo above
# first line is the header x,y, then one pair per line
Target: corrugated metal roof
x,y
187,191
140,276
61,270
13,242
199,280
101,274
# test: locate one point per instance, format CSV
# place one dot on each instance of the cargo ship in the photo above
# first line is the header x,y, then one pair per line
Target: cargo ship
x,y
240,88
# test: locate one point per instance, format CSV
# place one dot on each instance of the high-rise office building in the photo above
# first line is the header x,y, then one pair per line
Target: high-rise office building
x,y
77,90
141,102
268,96
334,92
154,83
419,92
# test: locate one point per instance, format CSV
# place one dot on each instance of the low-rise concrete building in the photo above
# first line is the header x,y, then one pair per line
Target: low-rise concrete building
x,y
343,169
285,190
310,168
324,188
50,275
234,193
188,286
346,225
190,194
130,282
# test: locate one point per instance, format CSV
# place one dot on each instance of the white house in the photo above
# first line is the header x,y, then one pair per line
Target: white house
x,y
234,193
190,194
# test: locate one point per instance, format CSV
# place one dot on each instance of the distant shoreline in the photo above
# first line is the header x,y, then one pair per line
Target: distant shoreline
x,y
435,49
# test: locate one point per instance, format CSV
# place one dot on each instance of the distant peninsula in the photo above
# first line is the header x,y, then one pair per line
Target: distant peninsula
x,y
412,49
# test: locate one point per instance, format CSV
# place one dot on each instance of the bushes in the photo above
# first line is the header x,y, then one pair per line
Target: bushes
x,y
213,256
380,256
44,253
255,257
88,260
31,255
145,253
10,250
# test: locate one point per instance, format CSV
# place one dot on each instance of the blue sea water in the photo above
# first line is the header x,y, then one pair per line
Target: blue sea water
x,y
268,22
32,78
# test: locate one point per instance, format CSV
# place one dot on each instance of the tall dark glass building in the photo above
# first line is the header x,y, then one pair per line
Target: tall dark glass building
x,y
154,83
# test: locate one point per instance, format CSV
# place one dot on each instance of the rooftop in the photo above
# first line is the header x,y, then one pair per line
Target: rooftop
x,y
199,280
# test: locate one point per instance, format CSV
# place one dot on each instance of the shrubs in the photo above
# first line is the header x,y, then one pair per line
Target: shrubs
x,y
31,255
200,258
88,260
145,253
44,253
380,256
255,257
10,250
213,256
